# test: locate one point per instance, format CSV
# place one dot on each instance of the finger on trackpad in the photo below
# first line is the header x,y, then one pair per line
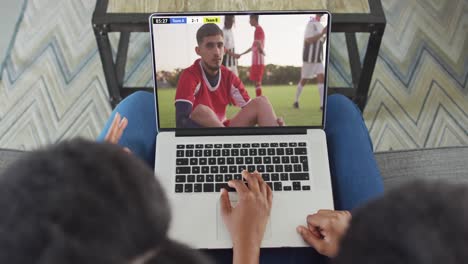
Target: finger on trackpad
x,y
221,231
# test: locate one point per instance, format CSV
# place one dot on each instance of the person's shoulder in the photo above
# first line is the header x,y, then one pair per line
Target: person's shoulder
x,y
192,70
228,75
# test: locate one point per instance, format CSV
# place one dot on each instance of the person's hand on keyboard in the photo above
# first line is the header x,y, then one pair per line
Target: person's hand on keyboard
x,y
247,221
116,130
325,230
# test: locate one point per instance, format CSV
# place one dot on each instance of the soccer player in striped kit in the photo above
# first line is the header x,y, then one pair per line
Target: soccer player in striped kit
x,y
312,57
230,57
258,54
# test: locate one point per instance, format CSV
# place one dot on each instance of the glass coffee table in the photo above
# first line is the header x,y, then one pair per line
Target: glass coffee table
x,y
348,17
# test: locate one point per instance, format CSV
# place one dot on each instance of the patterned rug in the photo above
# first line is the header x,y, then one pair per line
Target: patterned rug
x,y
52,85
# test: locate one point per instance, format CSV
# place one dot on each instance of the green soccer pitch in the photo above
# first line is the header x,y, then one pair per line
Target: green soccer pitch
x,y
281,97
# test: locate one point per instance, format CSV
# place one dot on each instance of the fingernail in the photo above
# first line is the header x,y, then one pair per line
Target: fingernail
x,y
299,229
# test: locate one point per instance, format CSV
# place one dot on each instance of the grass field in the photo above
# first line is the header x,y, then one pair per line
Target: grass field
x,y
281,97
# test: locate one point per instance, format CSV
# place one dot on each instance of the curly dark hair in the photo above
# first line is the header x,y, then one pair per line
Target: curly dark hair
x,y
84,202
422,222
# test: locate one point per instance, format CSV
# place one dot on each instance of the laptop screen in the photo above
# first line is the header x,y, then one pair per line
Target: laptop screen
x,y
217,70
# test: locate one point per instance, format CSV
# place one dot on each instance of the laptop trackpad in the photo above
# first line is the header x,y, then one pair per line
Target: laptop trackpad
x,y
221,230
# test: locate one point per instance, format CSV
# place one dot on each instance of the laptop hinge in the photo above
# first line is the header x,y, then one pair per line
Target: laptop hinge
x,y
239,131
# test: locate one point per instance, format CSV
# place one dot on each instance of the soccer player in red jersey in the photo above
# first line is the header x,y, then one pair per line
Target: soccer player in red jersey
x,y
206,88
258,55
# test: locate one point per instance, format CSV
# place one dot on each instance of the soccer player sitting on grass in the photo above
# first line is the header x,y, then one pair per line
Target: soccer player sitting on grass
x,y
206,88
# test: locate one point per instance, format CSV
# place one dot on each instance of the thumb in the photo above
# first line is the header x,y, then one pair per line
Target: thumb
x,y
225,203
310,238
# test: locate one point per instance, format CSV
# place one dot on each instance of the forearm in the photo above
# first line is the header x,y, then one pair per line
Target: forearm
x,y
247,51
313,39
247,255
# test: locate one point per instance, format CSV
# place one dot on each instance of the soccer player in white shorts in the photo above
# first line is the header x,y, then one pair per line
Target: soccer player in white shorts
x,y
312,58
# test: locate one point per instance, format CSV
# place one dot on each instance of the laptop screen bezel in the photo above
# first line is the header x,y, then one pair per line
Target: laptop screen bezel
x,y
241,130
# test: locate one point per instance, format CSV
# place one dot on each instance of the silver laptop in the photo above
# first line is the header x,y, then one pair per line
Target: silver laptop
x,y
219,113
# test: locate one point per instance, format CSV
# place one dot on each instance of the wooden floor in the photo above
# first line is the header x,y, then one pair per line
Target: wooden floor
x,y
149,6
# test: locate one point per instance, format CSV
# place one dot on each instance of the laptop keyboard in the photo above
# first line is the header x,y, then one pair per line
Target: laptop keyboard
x,y
208,167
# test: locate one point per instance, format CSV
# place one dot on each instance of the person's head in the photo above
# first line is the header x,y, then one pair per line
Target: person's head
x,y
229,20
253,20
210,47
319,16
422,222
85,202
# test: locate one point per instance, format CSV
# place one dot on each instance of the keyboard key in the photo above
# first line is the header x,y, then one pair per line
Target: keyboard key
x,y
279,168
214,169
205,169
288,168
306,188
271,151
208,187
279,151
238,176
219,178
236,145
200,178
202,161
208,145
266,160
265,145
228,177
180,178
289,151
189,153
199,146
182,162
180,146
287,188
283,176
182,170
248,160
283,145
198,153
221,161
217,152
234,152
260,168
251,168
241,168
180,153
258,160
246,145
276,160
225,152
277,186
305,167
275,177
292,144
197,187
300,151
262,152
297,167
303,159
227,146
179,188
299,176
220,186
285,159
223,169
244,152
191,178
255,145
193,161
190,146
230,161
212,161
302,144
209,178
218,146
239,160
196,170
252,152
232,169
294,159
207,153
270,168
296,186
188,188
274,145
266,176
